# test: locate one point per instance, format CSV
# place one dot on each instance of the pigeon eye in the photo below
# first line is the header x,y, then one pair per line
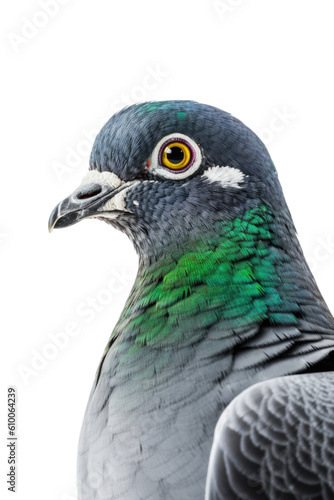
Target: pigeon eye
x,y
176,156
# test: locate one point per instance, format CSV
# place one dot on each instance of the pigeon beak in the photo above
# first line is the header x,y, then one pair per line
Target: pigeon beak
x,y
103,198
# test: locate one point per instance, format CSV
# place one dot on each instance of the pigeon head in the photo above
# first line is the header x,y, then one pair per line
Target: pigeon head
x,y
169,171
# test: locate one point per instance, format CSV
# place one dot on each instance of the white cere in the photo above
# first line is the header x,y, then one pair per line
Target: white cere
x,y
103,178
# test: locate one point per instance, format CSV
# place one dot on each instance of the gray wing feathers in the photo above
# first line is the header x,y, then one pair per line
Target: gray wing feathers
x,y
276,441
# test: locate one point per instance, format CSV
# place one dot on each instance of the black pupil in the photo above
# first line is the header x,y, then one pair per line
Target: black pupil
x,y
175,155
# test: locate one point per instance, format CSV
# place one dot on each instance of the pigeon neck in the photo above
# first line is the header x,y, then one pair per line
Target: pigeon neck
x,y
231,280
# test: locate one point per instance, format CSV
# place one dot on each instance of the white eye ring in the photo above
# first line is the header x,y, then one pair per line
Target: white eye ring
x,y
161,170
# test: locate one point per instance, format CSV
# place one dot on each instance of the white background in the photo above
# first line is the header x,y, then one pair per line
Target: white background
x,y
255,59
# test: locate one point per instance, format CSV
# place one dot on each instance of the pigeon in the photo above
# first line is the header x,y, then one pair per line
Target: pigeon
x,y
217,381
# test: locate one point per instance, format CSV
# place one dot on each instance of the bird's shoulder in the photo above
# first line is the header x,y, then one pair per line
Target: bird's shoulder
x,y
276,440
